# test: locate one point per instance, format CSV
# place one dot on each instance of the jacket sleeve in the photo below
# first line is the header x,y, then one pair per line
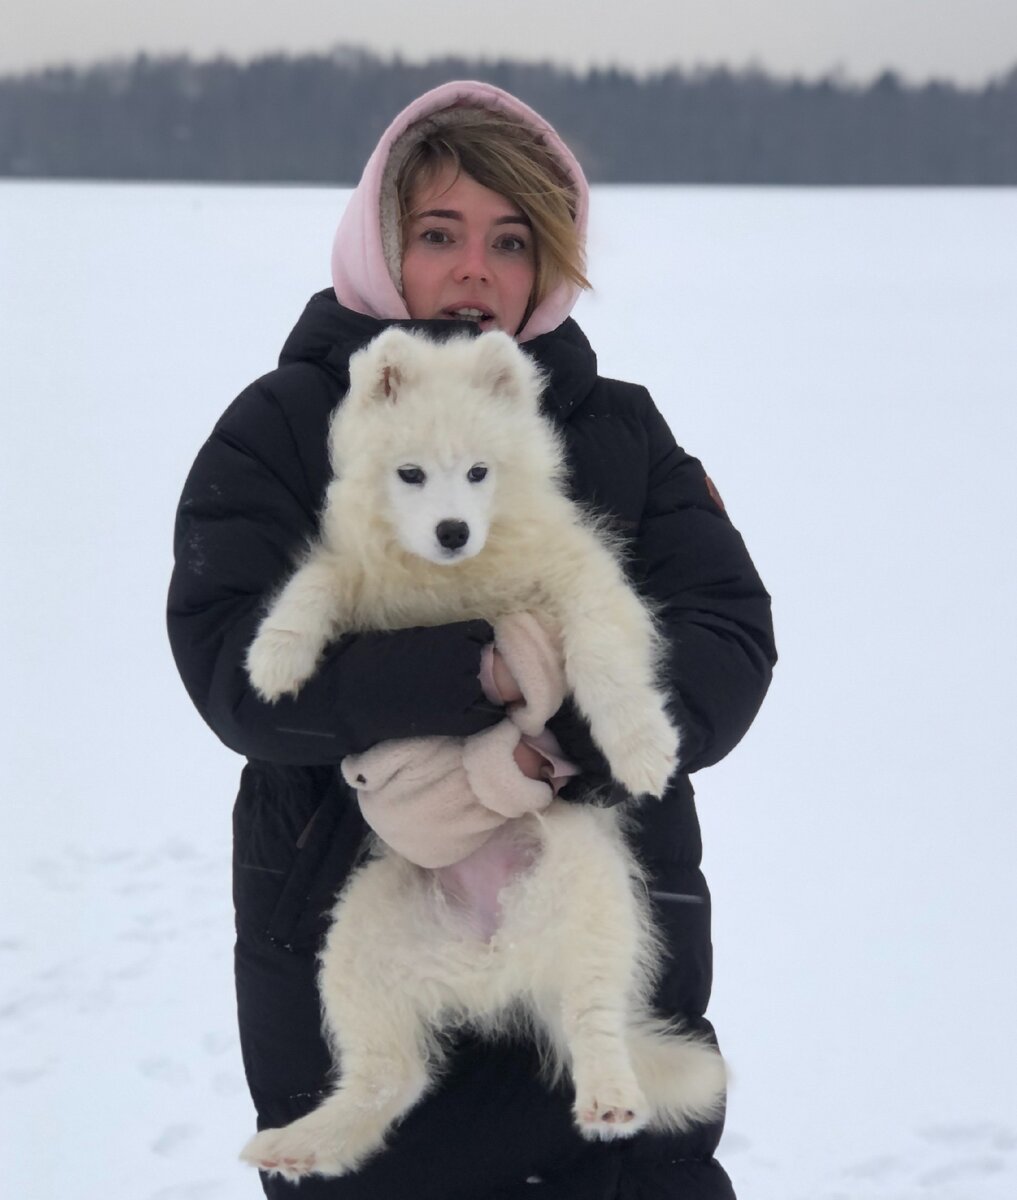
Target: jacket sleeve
x,y
715,613
691,563
248,510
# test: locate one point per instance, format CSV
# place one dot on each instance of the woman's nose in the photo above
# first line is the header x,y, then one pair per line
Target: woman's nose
x,y
472,263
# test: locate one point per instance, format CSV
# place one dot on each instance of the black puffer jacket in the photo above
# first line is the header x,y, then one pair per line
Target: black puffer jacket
x,y
249,506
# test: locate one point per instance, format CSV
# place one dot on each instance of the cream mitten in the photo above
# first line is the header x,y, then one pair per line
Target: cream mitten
x,y
435,800
414,794
494,775
531,649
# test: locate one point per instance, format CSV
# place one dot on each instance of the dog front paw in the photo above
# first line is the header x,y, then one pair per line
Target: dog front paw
x,y
643,753
280,662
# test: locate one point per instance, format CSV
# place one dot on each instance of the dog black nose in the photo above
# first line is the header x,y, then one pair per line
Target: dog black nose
x,y
452,534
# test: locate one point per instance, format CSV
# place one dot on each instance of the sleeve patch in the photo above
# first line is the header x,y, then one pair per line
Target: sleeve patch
x,y
711,487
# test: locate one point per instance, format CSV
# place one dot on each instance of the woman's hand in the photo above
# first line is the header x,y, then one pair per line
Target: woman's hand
x,y
437,800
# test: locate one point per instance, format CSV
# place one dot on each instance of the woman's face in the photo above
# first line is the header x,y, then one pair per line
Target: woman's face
x,y
469,254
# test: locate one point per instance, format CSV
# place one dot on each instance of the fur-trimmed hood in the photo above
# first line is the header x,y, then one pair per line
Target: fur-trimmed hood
x,y
361,274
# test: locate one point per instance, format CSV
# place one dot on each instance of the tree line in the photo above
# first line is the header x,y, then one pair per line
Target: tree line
x,y
315,118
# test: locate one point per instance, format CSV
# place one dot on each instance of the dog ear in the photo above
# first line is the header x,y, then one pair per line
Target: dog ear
x,y
504,371
389,381
379,372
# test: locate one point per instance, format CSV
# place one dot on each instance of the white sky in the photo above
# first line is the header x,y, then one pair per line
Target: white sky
x,y
963,40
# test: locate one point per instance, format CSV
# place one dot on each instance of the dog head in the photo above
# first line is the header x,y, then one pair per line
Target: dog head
x,y
438,434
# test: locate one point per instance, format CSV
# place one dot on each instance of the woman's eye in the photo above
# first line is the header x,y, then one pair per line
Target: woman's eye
x,y
435,237
511,243
411,474
477,473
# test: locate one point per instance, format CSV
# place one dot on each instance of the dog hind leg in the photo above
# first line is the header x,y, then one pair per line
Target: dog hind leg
x,y
378,1033
682,1075
597,952
383,1074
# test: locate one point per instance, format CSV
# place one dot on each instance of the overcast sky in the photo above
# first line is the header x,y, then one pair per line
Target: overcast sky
x,y
963,40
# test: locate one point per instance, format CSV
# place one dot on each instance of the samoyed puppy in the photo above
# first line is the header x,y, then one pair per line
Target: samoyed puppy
x,y
448,503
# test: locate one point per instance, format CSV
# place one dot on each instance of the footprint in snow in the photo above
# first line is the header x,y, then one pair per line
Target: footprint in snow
x,y
172,1138
973,1131
190,1191
228,1083
140,887
218,1042
17,1076
102,858
56,875
874,1168
994,1137
165,1070
966,1169
131,970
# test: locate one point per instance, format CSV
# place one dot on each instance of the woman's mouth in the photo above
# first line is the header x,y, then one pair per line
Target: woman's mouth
x,y
471,312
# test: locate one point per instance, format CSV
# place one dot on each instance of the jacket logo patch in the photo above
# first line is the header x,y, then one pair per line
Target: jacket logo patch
x,y
711,487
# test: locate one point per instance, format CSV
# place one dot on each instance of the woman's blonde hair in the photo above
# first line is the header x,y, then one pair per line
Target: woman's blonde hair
x,y
513,161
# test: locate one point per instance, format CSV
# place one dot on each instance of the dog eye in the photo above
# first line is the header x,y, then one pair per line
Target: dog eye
x,y
477,473
411,474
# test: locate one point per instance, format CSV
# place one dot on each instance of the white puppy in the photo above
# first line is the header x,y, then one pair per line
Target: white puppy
x,y
448,504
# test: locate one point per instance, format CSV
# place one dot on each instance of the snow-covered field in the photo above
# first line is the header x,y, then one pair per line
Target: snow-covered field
x,y
845,364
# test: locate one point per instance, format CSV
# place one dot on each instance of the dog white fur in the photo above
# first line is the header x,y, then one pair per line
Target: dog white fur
x,y
448,504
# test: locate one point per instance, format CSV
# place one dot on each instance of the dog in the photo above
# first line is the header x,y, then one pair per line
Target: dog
x,y
448,503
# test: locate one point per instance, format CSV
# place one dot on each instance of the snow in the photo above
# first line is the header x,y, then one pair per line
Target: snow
x,y
843,362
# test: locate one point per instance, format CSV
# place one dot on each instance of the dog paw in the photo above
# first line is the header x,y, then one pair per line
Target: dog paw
x,y
279,662
292,1152
644,755
611,1110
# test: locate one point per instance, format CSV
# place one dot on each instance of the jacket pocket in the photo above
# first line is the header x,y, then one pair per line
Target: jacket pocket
x,y
326,851
297,833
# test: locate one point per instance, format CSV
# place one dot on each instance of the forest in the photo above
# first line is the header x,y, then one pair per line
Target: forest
x,y
314,119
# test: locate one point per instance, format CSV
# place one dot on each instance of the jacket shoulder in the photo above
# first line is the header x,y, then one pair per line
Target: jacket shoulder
x,y
675,478
632,406
280,421
286,394
622,389
623,397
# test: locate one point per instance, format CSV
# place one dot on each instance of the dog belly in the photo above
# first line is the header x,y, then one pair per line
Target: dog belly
x,y
473,886
512,930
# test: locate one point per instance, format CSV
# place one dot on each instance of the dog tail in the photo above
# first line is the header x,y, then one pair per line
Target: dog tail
x,y
682,1075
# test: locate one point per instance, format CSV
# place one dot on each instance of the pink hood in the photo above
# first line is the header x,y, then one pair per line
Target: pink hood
x,y
360,272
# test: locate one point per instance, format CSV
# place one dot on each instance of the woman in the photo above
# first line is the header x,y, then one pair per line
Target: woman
x,y
471,210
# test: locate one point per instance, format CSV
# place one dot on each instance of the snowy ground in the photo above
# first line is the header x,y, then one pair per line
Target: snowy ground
x,y
844,364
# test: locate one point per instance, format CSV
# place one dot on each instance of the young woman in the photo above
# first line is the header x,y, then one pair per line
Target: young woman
x,y
470,215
